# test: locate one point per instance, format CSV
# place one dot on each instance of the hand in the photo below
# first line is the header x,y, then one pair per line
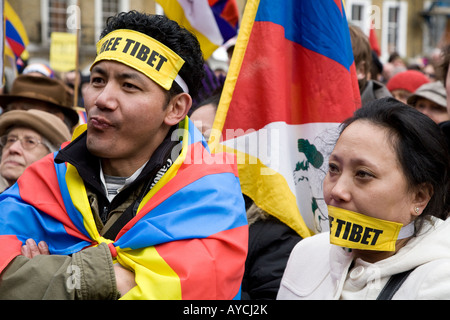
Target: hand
x,y
31,249
124,279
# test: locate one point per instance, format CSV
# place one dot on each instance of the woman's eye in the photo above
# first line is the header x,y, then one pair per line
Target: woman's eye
x,y
332,168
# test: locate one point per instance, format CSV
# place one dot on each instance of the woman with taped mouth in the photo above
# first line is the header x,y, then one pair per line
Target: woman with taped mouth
x,y
387,191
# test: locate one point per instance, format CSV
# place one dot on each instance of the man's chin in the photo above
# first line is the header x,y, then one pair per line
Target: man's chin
x,y
99,148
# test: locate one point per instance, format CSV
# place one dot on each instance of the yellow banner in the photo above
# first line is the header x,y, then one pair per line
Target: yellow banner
x,y
142,53
357,231
63,50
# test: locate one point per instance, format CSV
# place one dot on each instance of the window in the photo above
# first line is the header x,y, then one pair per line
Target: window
x,y
105,9
57,16
359,13
110,8
392,29
393,34
54,17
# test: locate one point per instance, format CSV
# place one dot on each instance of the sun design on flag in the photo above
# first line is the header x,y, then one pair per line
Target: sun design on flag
x,y
310,160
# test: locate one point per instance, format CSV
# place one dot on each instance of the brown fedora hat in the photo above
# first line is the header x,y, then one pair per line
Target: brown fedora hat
x,y
42,89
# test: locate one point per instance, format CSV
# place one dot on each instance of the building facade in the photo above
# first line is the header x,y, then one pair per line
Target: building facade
x,y
42,17
412,28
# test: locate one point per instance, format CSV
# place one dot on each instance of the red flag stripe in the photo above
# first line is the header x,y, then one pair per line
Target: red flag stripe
x,y
288,75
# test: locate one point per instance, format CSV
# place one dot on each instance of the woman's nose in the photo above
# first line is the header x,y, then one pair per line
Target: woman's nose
x,y
340,189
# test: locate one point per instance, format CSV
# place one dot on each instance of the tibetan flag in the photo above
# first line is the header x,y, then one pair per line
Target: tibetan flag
x,y
213,21
16,35
291,81
82,115
188,239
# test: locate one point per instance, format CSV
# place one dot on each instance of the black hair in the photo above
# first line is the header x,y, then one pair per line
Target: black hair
x,y
171,34
213,100
420,146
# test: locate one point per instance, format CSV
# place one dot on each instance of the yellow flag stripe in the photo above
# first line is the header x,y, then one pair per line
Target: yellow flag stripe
x,y
154,277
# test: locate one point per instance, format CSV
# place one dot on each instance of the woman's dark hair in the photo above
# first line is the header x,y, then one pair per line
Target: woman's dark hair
x,y
168,32
213,100
420,146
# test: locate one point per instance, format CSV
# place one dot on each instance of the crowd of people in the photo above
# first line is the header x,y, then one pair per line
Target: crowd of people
x,y
116,199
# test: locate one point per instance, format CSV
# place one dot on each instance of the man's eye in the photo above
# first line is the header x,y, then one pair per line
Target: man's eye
x,y
130,85
96,80
30,141
364,174
11,139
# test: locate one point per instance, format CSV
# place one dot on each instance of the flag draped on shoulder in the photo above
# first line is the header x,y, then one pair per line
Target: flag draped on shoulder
x,y
291,81
213,21
188,239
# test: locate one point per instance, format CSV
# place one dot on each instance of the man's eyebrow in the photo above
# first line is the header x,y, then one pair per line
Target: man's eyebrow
x,y
122,75
98,69
129,75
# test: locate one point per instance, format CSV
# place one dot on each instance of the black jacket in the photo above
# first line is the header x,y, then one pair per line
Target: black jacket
x,y
270,244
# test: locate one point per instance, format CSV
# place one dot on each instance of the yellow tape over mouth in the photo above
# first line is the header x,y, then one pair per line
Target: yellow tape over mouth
x,y
141,52
357,231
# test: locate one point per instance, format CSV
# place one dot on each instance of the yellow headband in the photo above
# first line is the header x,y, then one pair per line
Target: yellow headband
x,y
144,54
357,231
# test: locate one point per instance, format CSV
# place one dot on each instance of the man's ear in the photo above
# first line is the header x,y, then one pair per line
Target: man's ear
x,y
177,108
421,198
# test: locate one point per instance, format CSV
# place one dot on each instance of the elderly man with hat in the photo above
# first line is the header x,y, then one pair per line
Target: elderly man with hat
x,y
42,93
27,136
431,100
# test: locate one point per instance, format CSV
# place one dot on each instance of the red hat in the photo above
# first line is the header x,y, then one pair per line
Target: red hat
x,y
408,80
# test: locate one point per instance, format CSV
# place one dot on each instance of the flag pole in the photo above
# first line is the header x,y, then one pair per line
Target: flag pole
x,y
2,50
77,73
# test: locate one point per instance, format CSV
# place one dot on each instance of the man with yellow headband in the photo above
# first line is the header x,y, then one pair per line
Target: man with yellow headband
x,y
128,209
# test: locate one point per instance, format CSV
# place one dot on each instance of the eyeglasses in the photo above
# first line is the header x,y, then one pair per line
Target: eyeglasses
x,y
28,143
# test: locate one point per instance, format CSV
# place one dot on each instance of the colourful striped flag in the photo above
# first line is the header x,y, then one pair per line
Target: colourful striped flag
x,y
82,115
212,21
291,81
16,35
188,239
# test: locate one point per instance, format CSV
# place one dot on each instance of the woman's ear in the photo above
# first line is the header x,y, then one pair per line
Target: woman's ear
x,y
421,198
177,108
